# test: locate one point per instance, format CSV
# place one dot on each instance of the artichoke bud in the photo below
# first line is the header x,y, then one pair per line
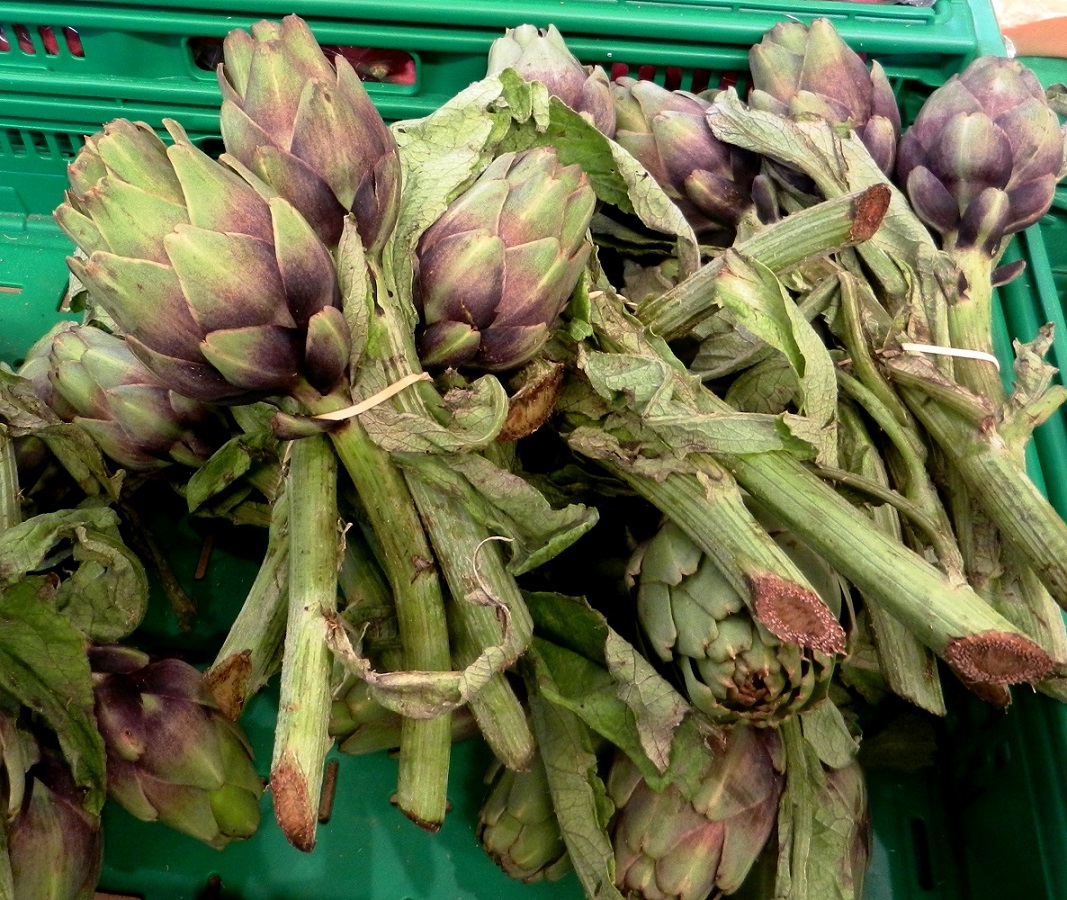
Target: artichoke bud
x,y
733,669
983,156
667,132
799,69
101,386
669,847
172,756
54,846
518,826
212,279
542,55
499,265
308,129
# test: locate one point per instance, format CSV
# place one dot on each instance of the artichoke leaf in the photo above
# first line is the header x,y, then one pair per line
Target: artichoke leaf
x,y
578,796
475,414
656,708
43,663
1034,397
507,505
107,595
756,297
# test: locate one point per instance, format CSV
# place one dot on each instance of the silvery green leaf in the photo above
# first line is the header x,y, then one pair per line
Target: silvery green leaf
x,y
1034,397
759,302
825,729
354,280
579,797
476,414
768,387
43,663
507,505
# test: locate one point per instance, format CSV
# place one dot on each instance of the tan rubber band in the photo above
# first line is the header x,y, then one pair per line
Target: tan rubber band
x,y
952,351
349,412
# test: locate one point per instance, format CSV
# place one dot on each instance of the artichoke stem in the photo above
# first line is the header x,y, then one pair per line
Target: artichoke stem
x,y
469,558
10,511
946,615
816,231
411,569
252,648
992,472
970,325
301,736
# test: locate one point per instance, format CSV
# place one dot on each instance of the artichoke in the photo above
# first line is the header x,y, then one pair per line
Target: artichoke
x,y
518,826
223,290
797,70
98,384
733,668
983,156
671,848
498,266
309,130
172,756
54,846
667,132
542,55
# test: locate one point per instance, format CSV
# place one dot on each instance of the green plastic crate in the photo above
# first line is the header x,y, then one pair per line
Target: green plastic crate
x,y
126,52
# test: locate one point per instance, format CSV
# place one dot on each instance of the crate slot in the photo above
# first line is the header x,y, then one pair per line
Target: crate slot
x,y
380,65
50,41
674,78
22,142
920,839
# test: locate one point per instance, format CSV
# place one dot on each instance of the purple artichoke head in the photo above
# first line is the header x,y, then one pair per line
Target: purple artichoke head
x,y
667,132
222,288
799,69
984,154
172,756
54,845
668,847
496,269
309,130
542,55
101,386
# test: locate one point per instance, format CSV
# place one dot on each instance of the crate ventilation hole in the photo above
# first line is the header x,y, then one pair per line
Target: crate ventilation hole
x,y
41,39
33,142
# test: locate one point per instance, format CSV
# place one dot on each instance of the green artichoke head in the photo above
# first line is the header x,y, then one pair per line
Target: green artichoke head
x,y
54,846
667,132
669,847
799,69
496,269
101,386
172,756
984,154
542,55
308,129
221,287
518,826
733,669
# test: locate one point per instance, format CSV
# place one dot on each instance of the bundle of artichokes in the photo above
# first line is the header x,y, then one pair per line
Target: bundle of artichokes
x,y
624,427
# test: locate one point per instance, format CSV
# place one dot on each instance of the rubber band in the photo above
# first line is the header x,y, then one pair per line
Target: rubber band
x,y
350,412
952,351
